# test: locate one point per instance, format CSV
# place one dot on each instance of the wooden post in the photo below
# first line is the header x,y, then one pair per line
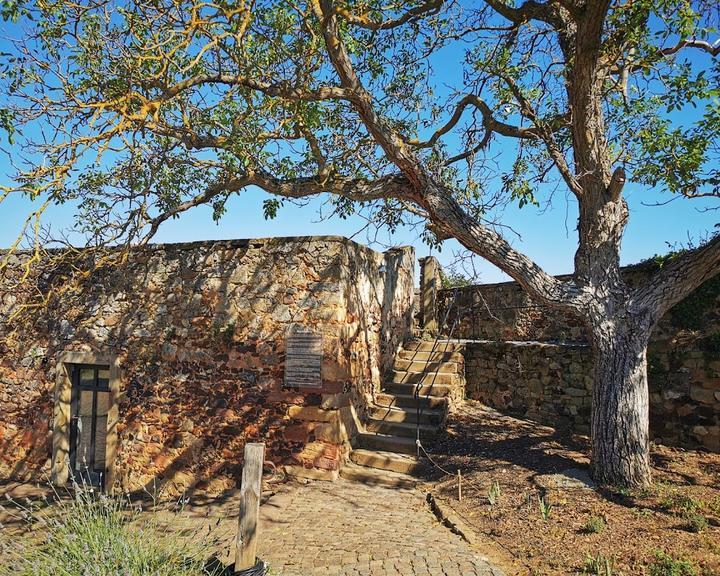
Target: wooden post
x,y
250,491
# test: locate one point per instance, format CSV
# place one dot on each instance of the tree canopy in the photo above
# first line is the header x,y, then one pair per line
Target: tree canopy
x,y
139,111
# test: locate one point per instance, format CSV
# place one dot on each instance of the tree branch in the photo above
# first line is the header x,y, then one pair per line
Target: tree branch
x,y
712,49
528,10
677,279
364,21
391,186
278,89
449,217
388,139
489,121
546,134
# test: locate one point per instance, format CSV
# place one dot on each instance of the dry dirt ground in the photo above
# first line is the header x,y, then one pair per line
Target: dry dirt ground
x,y
678,516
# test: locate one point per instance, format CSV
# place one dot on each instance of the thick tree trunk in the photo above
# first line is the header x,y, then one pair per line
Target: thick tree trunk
x,y
620,420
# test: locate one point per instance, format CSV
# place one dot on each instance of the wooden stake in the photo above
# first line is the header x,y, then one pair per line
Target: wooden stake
x,y
250,491
459,486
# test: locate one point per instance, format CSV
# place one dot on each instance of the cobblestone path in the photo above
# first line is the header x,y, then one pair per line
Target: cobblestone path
x,y
334,528
345,528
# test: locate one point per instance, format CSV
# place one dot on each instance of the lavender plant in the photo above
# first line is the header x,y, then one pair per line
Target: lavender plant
x,y
85,533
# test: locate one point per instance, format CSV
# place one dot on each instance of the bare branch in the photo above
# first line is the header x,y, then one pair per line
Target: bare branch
x,y
490,122
677,279
712,49
388,139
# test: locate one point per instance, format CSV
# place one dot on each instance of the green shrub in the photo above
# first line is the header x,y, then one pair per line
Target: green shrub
x,y
666,565
695,522
90,534
677,502
715,505
594,525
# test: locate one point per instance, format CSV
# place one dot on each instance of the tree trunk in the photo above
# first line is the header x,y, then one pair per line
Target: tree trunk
x,y
620,406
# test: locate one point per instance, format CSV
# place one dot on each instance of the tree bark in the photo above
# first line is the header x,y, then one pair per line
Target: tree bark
x,y
619,423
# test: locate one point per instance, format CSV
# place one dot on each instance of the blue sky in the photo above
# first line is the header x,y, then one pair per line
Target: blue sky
x,y
549,238
548,235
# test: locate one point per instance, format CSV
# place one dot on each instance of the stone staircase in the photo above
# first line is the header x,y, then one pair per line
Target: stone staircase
x,y
386,449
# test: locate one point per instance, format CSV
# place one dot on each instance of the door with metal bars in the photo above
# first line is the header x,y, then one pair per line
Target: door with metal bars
x,y
90,403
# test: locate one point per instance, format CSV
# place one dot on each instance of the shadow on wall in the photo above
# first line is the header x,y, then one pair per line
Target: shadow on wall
x,y
200,331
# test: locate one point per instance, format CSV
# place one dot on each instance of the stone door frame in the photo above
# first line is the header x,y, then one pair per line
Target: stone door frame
x,y
60,467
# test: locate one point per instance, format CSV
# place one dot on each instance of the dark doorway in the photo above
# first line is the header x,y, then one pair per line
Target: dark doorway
x,y
90,404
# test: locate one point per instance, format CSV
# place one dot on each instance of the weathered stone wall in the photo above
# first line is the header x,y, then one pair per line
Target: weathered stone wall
x,y
552,383
200,330
536,361
504,311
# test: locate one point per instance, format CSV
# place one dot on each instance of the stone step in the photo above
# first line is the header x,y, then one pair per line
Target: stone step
x,y
439,390
408,429
442,367
398,444
437,356
430,345
409,401
390,461
374,477
439,378
407,414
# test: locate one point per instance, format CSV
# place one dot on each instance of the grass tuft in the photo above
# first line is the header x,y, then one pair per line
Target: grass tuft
x,y
494,493
599,565
594,525
90,534
545,508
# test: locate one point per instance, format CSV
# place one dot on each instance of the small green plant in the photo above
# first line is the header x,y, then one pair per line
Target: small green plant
x,y
494,493
599,565
594,525
665,565
715,505
88,533
545,508
695,522
674,501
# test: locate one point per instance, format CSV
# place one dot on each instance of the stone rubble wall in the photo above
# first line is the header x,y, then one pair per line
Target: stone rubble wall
x,y
550,383
535,361
200,330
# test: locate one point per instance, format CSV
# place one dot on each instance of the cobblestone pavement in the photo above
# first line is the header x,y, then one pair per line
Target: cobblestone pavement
x,y
332,528
346,528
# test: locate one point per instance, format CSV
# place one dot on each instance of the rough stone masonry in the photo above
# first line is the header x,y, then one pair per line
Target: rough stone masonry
x,y
535,361
196,336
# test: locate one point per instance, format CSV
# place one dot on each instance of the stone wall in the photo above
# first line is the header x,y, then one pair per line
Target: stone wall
x,y
200,331
504,311
535,361
550,383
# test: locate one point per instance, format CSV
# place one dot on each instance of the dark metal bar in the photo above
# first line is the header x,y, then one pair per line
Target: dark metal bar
x,y
93,425
74,392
